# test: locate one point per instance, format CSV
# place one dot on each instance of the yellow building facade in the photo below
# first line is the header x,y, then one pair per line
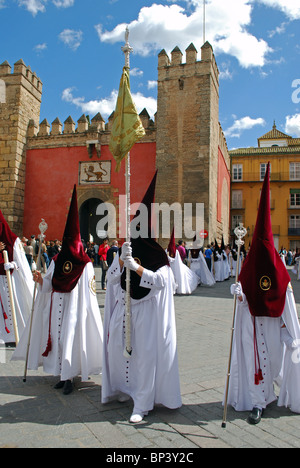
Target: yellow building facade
x,y
248,167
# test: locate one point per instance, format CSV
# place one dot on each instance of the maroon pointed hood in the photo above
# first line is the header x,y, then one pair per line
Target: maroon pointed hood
x,y
172,245
8,238
264,277
146,251
71,260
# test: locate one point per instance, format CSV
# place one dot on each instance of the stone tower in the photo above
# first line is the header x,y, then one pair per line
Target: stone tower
x,y
189,137
20,100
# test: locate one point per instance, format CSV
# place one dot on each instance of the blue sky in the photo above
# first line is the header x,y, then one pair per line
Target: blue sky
x,y
74,46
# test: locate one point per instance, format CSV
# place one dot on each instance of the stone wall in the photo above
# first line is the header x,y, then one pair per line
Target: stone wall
x,y
20,103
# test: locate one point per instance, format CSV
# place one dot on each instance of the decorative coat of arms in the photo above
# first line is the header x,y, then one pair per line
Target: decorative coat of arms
x,y
94,172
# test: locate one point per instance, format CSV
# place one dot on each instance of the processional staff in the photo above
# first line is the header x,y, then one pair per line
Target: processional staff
x,y
43,228
128,349
240,233
11,297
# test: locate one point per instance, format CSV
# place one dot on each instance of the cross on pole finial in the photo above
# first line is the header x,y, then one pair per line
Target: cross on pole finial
x,y
127,49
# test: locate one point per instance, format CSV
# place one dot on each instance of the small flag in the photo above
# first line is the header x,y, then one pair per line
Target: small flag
x,y
127,127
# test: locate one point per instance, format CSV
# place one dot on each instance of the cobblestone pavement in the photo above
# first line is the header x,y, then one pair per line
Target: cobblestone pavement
x,y
34,415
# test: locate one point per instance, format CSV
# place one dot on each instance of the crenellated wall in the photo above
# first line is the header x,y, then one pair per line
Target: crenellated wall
x,y
21,93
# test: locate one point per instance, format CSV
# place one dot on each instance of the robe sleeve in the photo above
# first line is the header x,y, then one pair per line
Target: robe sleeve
x,y
114,272
151,280
47,281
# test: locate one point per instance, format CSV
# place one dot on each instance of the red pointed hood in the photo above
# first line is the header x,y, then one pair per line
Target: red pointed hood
x,y
8,238
264,277
172,245
72,259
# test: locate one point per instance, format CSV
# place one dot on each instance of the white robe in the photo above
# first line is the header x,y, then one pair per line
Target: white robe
x,y
76,330
23,287
199,266
279,359
150,376
234,264
226,266
219,269
186,280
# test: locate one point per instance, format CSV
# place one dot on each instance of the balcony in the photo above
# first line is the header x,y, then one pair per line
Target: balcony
x,y
294,232
274,177
238,205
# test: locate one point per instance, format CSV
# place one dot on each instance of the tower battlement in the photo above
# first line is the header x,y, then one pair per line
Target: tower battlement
x,y
88,131
21,75
174,67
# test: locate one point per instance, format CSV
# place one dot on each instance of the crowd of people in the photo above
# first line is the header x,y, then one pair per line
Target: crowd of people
x,y
100,254
66,337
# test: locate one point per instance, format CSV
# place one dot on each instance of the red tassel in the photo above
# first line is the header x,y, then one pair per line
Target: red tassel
x,y
49,344
7,330
5,316
49,348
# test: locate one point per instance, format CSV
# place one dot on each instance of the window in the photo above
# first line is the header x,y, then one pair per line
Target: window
x,y
295,171
263,170
294,222
236,220
295,198
237,199
2,92
237,172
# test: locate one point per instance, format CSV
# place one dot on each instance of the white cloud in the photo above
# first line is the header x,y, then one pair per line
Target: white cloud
x,y
40,47
225,73
165,26
240,125
291,8
107,105
136,72
63,3
39,6
34,6
292,125
71,38
152,84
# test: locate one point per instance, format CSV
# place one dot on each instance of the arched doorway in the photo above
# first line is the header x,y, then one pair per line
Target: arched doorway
x,y
88,220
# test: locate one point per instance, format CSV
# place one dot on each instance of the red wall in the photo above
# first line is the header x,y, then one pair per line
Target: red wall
x,y
52,172
223,173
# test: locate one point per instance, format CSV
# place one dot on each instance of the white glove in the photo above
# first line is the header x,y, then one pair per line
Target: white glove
x,y
10,266
236,289
131,263
126,251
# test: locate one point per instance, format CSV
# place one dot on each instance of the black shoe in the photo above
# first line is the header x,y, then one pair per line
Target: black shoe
x,y
255,416
59,385
68,387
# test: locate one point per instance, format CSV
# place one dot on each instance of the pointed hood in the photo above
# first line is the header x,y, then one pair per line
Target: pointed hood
x,y
8,238
264,277
172,245
72,259
146,251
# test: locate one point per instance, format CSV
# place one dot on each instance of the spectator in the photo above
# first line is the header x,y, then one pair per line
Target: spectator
x,y
103,249
51,251
111,253
29,253
181,250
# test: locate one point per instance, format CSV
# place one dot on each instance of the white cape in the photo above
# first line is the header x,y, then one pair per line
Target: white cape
x,y
23,287
150,376
186,280
76,330
279,359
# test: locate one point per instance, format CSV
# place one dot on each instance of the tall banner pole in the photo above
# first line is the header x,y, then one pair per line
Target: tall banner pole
x,y
204,21
240,233
128,348
43,228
